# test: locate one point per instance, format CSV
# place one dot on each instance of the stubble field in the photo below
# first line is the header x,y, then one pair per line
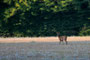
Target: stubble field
x,y
44,48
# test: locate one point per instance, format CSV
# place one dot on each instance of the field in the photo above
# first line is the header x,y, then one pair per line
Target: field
x,y
44,48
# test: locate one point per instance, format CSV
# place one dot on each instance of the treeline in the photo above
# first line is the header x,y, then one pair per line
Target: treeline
x,y
23,18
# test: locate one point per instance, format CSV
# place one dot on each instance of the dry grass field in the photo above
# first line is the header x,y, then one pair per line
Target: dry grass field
x,y
44,48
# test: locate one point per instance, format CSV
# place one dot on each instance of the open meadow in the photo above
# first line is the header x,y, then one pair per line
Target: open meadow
x,y
44,48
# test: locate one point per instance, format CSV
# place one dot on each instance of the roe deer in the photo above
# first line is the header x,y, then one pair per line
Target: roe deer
x,y
61,38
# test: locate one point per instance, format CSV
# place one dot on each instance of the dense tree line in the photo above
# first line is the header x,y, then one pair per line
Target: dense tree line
x,y
44,17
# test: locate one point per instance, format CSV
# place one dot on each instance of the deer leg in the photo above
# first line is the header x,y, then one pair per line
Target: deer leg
x,y
66,42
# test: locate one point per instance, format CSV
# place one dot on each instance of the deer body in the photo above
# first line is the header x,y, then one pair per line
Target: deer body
x,y
62,38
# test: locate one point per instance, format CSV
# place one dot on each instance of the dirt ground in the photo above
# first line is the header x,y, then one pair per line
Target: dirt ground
x,y
44,48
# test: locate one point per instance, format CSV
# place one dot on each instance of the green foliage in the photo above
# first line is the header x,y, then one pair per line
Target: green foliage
x,y
85,31
44,17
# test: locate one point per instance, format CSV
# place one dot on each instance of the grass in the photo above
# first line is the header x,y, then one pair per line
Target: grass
x,y
44,49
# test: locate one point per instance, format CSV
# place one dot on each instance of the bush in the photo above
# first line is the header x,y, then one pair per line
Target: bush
x,y
85,31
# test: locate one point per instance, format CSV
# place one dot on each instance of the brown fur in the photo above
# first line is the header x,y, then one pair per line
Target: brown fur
x,y
62,38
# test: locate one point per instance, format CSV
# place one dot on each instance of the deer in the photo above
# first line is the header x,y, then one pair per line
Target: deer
x,y
62,38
